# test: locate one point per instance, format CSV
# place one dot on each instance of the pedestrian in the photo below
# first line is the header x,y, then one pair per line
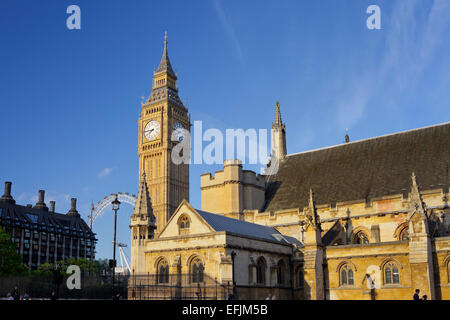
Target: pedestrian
x,y
416,295
15,294
269,296
9,296
26,296
230,297
424,297
53,296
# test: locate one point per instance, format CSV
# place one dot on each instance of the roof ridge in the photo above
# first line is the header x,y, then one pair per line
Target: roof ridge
x,y
368,139
235,220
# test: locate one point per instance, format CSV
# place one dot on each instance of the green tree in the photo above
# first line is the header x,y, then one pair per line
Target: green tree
x,y
10,260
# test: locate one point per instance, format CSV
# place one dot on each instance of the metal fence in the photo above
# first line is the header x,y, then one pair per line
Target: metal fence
x,y
176,287
42,286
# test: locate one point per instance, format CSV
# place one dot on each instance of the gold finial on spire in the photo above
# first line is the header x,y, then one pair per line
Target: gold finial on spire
x,y
165,38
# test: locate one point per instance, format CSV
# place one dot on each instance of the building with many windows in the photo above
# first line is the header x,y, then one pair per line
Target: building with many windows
x,y
364,219
41,235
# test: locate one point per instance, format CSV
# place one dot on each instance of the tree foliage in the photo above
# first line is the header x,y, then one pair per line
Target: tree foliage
x,y
10,260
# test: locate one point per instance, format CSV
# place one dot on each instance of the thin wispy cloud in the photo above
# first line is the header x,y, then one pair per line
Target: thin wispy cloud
x,y
105,172
229,29
411,42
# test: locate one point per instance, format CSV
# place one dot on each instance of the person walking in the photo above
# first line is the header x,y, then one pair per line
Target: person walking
x,y
416,295
16,294
53,296
424,297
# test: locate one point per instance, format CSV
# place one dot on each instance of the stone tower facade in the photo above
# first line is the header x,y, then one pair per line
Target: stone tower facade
x,y
278,135
163,122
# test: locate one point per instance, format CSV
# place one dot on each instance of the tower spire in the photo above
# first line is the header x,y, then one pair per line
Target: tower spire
x,y
278,135
164,65
278,121
143,201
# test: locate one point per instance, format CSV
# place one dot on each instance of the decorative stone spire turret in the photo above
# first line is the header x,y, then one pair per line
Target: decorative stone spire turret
x,y
143,204
278,135
278,121
420,247
416,205
313,255
311,213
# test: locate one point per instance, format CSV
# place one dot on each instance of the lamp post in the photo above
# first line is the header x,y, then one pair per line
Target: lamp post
x,y
115,206
233,254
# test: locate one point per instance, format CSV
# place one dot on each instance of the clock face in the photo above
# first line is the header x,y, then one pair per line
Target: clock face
x,y
151,130
178,131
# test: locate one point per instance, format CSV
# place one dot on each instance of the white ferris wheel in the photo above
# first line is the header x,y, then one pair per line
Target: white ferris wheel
x,y
99,210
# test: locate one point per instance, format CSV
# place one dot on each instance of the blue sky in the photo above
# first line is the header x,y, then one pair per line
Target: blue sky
x,y
70,99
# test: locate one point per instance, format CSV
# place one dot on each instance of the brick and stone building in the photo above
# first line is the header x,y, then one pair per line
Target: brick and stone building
x,y
41,235
365,219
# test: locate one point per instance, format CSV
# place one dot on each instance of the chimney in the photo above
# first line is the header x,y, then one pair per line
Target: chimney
x,y
7,196
52,206
73,208
40,205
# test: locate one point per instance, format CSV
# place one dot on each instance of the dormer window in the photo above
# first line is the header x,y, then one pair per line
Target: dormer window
x,y
184,224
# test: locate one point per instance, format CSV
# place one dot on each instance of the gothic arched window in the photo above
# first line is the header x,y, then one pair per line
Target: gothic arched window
x,y
448,271
300,277
261,271
361,238
197,270
346,275
391,274
281,272
404,234
163,271
184,224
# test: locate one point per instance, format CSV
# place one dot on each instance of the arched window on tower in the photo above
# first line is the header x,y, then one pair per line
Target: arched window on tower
x,y
261,271
197,270
391,274
163,271
346,275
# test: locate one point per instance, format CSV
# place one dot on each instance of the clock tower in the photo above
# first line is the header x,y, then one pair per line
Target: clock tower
x,y
163,121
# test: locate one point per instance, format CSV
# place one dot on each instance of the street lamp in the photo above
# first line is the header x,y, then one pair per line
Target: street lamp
x,y
233,254
115,206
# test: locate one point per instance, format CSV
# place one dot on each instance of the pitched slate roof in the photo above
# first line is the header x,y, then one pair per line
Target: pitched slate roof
x,y
222,223
363,169
21,216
